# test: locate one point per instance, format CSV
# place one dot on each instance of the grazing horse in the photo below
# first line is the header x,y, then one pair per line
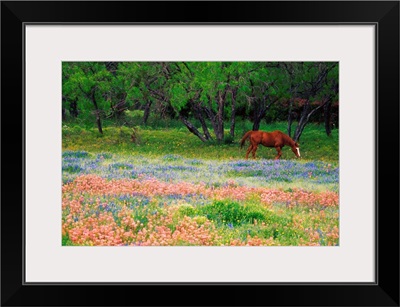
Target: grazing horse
x,y
276,139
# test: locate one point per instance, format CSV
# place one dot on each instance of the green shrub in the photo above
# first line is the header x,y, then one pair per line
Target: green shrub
x,y
229,139
135,113
66,240
229,212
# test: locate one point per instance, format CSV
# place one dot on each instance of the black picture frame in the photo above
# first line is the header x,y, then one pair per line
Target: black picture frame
x,y
383,14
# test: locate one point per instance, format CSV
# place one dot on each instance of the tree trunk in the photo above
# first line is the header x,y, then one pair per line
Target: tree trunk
x,y
302,121
212,117
204,127
215,118
97,111
305,117
256,123
299,130
260,111
146,111
233,113
327,118
98,121
73,108
219,134
192,128
64,102
290,118
199,115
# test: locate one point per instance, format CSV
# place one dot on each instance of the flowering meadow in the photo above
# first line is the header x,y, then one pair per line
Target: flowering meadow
x,y
113,199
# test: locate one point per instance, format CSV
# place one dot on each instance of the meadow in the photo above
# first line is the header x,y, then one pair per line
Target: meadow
x,y
168,188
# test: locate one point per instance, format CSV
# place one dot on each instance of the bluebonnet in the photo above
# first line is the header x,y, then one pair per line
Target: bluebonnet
x,y
175,168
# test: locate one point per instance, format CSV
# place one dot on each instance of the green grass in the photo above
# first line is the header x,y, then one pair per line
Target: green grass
x,y
314,143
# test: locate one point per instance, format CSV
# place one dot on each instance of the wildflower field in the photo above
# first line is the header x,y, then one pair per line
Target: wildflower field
x,y
132,198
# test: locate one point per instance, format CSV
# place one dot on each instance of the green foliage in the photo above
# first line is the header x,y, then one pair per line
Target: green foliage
x,y
205,91
227,212
224,212
65,241
178,96
135,114
229,139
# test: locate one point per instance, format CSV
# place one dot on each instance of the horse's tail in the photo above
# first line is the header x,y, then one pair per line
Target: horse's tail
x,y
245,137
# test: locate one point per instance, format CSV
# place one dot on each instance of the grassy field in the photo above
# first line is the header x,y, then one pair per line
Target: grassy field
x,y
314,143
168,188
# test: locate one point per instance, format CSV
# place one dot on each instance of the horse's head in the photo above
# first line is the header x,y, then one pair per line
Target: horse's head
x,y
296,149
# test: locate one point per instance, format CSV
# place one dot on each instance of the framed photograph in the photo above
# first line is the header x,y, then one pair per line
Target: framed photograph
x,y
240,153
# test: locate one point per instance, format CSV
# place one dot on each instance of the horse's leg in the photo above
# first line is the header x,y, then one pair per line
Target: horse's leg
x,y
279,150
254,151
248,151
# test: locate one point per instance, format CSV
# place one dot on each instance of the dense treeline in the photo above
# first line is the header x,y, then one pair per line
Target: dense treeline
x,y
207,97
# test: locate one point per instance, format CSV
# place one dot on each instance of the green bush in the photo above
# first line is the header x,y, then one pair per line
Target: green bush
x,y
229,139
227,212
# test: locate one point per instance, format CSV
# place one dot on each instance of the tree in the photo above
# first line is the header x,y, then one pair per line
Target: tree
x,y
87,82
116,94
332,92
238,91
144,83
204,96
200,89
314,83
268,86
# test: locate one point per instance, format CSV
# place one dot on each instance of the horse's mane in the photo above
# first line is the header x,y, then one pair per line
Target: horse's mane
x,y
290,141
287,139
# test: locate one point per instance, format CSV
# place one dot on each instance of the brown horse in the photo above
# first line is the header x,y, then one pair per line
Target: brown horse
x,y
276,139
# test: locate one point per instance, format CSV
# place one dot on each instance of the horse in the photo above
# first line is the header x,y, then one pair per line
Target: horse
x,y
276,139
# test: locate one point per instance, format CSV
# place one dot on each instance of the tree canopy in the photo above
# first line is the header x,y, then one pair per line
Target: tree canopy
x,y
207,97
